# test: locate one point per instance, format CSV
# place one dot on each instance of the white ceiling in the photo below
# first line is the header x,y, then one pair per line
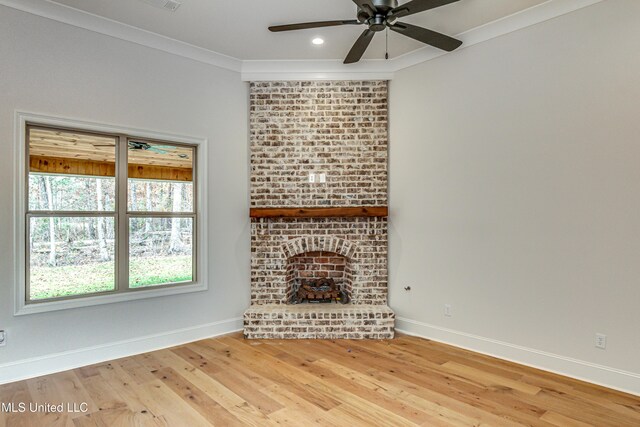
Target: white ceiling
x,y
238,28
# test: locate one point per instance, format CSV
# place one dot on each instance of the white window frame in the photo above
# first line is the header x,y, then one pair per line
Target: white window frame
x,y
20,211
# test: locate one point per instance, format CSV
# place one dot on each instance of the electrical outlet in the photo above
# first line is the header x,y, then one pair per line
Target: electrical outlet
x,y
323,178
312,178
448,312
601,341
3,338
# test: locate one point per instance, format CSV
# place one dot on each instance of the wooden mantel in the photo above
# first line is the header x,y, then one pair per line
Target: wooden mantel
x,y
344,212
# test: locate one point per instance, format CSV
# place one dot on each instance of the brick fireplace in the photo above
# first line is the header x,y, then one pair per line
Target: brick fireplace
x,y
303,232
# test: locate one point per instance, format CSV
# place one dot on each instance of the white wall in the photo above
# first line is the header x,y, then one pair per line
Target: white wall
x,y
55,69
515,195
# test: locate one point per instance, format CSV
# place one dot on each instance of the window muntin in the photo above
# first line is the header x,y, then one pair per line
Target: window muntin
x,y
81,218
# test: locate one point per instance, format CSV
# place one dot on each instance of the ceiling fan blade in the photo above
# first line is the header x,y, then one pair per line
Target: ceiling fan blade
x,y
429,37
416,6
367,6
359,47
157,150
305,25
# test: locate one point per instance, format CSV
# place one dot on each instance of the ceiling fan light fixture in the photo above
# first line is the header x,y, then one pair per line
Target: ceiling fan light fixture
x,y
318,41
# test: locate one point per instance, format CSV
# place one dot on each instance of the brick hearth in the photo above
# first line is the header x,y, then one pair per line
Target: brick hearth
x,y
340,129
319,321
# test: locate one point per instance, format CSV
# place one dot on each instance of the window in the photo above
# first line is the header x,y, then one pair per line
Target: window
x,y
107,214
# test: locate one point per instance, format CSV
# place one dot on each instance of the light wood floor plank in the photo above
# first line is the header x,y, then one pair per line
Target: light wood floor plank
x,y
563,421
164,403
16,393
43,390
235,404
230,381
465,390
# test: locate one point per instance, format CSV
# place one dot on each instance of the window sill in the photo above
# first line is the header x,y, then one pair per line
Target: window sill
x,y
44,307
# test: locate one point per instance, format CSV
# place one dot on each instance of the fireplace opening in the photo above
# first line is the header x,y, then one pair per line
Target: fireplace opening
x,y
318,291
318,277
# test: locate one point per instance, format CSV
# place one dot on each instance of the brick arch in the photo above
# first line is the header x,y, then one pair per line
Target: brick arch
x,y
333,244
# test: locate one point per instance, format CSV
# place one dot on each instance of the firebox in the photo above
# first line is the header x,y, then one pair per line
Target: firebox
x,y
318,277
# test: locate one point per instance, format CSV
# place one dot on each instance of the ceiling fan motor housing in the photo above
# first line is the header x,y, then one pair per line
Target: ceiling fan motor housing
x,y
377,22
385,6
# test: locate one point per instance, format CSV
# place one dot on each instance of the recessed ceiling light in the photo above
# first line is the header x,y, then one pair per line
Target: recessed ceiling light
x,y
170,5
317,41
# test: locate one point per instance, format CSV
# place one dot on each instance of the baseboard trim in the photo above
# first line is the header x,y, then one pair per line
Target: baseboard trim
x,y
617,379
58,362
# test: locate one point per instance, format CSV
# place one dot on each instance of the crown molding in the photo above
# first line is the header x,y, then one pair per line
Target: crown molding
x,y
254,70
109,27
373,69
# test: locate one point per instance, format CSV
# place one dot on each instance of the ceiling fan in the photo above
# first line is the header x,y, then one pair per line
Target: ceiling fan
x,y
144,146
160,149
378,15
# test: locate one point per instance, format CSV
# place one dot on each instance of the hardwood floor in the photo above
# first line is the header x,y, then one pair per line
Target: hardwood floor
x,y
230,381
